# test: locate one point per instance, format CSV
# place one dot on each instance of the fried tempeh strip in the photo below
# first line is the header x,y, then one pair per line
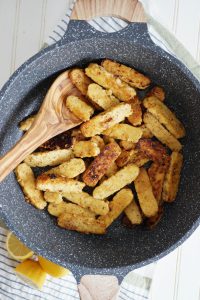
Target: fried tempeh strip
x,y
119,202
132,156
86,149
116,182
172,178
26,179
53,183
84,200
127,145
79,108
69,169
156,174
112,170
81,223
80,80
124,132
101,164
153,150
133,213
56,209
105,120
48,158
120,89
157,92
146,134
127,74
136,118
145,194
99,141
26,124
165,116
161,133
101,97
53,197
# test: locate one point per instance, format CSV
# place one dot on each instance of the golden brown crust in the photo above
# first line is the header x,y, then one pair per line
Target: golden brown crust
x,y
161,133
26,179
116,182
80,80
157,92
133,213
27,123
119,202
124,132
145,194
132,156
136,118
101,164
120,89
56,209
79,108
172,178
105,120
86,149
69,169
165,116
127,74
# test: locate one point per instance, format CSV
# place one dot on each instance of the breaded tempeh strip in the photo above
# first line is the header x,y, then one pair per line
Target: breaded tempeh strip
x,y
86,149
156,174
53,197
172,178
80,80
48,158
145,194
69,169
99,141
161,133
127,74
26,124
101,97
120,89
133,213
119,202
116,182
165,116
158,92
154,150
105,120
124,132
56,209
101,164
136,118
83,199
79,108
81,223
146,134
127,145
26,179
131,156
112,170
53,183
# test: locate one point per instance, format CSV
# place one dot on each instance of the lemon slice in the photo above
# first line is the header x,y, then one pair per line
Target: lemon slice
x,y
51,268
31,272
17,249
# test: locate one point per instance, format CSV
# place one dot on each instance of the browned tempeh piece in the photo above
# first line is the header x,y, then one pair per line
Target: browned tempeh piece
x,y
156,174
120,89
133,213
158,92
124,132
127,74
172,178
165,116
79,108
145,194
80,80
153,150
161,133
132,156
136,118
101,164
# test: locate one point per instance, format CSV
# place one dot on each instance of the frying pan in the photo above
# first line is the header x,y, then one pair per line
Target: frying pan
x,y
121,250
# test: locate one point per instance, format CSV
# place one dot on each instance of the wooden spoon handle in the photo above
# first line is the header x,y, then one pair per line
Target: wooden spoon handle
x,y
129,10
28,143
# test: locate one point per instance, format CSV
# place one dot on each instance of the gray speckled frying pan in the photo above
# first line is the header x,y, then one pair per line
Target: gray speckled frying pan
x,y
121,250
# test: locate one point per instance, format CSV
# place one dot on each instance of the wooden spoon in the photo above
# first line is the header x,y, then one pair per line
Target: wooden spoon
x,y
53,118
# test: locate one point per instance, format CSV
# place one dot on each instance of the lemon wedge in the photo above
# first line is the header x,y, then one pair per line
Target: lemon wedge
x,y
17,249
51,268
31,272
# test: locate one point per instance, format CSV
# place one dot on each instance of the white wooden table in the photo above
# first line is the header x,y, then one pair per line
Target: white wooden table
x,y
26,24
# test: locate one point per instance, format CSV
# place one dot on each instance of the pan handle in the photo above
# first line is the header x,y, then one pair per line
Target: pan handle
x,y
128,10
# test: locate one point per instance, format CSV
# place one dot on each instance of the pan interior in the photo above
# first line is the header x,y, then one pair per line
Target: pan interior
x,y
121,246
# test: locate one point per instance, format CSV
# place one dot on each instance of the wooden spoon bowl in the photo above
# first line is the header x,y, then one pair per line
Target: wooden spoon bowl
x,y
53,118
